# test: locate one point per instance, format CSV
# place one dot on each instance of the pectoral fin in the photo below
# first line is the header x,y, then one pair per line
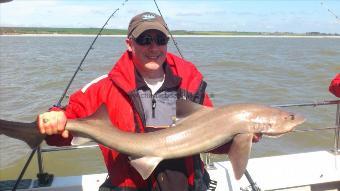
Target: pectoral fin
x,y
145,165
80,140
239,153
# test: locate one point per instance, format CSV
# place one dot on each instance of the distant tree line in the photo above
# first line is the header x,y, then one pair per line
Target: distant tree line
x,y
92,31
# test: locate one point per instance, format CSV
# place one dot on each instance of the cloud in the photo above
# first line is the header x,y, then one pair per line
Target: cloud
x,y
53,13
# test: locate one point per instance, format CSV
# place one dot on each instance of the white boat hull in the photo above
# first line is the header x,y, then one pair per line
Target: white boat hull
x,y
305,171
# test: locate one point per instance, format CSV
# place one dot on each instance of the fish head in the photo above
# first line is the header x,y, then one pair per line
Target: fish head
x,y
272,121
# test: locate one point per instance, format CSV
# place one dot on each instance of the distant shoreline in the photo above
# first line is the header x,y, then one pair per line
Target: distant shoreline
x,y
176,36
75,32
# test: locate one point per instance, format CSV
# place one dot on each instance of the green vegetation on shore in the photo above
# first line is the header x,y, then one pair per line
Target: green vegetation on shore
x,y
93,31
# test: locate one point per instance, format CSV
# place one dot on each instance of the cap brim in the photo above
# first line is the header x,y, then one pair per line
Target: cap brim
x,y
148,26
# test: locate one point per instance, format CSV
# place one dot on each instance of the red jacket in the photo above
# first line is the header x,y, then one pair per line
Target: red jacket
x,y
334,87
116,91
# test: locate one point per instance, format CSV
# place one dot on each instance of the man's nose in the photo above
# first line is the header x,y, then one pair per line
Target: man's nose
x,y
153,44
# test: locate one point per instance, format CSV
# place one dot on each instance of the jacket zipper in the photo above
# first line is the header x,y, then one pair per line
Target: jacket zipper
x,y
153,106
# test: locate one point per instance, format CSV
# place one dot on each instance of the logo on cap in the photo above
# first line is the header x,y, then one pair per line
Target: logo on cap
x,y
148,16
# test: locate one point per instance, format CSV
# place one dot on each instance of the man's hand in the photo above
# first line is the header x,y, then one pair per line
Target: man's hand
x,y
257,137
53,122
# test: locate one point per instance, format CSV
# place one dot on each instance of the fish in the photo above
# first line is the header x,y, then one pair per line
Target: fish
x,y
198,129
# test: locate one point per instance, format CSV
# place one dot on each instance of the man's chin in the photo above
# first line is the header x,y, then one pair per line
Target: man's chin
x,y
153,66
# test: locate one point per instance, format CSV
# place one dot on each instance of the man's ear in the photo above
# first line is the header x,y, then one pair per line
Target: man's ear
x,y
128,43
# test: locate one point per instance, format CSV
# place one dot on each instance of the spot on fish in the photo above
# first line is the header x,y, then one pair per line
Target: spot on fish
x,y
176,137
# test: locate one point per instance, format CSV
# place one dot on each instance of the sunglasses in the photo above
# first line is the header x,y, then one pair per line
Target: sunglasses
x,y
144,40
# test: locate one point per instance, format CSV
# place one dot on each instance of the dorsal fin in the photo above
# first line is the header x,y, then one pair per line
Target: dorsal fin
x,y
186,107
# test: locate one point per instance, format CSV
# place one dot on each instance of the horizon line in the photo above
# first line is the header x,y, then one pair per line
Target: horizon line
x,y
180,30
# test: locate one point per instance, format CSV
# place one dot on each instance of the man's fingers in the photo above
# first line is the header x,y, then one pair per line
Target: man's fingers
x,y
52,122
48,129
40,124
65,134
61,118
257,137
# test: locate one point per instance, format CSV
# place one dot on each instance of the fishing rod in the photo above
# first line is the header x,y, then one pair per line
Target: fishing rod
x,y
44,178
87,52
253,185
316,103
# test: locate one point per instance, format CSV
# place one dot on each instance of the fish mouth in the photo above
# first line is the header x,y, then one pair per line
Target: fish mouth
x,y
296,120
299,119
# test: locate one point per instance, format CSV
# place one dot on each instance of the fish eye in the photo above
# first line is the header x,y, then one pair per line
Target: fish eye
x,y
290,117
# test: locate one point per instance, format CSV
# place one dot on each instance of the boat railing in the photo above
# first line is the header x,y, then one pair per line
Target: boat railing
x,y
336,127
90,144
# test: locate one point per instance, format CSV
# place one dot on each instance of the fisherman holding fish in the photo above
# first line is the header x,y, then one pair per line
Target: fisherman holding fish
x,y
140,94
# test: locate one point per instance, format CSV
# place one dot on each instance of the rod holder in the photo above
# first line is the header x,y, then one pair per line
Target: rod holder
x,y
208,164
44,179
337,131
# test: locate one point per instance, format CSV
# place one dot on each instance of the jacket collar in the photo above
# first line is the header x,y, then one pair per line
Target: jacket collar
x,y
170,81
123,73
178,72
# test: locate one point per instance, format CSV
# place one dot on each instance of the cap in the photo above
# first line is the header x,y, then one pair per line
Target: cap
x,y
146,21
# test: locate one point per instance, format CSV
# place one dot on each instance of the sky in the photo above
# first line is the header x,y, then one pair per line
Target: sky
x,y
298,16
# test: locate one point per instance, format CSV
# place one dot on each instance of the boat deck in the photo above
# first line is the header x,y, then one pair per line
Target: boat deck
x,y
304,171
313,171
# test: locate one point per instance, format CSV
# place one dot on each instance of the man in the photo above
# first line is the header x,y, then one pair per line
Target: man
x,y
140,93
334,87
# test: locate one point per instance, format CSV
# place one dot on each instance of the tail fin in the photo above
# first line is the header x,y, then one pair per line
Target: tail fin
x,y
26,132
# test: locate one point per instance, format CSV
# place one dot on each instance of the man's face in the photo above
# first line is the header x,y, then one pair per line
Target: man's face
x,y
148,58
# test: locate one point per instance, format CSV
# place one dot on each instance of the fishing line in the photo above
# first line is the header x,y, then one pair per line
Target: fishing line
x,y
331,12
172,38
63,96
312,130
